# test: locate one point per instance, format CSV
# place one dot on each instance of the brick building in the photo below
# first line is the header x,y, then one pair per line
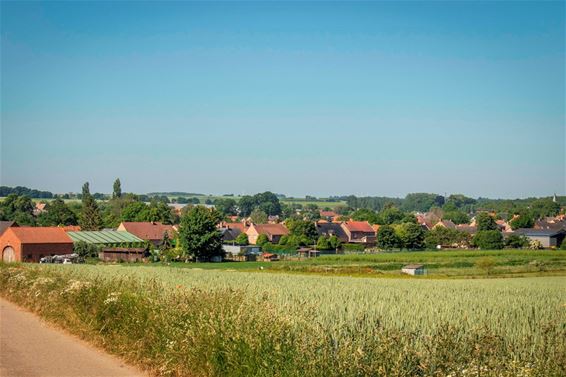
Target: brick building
x,y
30,244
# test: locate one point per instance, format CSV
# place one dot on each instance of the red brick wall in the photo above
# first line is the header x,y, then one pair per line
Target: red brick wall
x,y
9,239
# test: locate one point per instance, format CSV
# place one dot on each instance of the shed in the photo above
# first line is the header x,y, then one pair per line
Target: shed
x,y
414,269
547,237
122,254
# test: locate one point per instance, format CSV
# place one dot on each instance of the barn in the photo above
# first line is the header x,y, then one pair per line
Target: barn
x,y
30,244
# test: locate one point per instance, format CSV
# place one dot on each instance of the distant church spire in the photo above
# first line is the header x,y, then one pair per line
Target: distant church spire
x,y
554,198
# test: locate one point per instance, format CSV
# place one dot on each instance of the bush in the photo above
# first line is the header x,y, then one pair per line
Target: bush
x,y
353,247
488,240
261,240
516,241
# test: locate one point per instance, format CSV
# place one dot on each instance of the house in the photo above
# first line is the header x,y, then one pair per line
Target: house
x,y
148,231
546,237
30,244
39,208
5,225
414,269
327,229
328,215
503,226
177,208
274,232
552,223
445,224
359,232
230,231
425,221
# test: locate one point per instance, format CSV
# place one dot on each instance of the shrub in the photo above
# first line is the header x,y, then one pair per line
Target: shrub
x,y
516,241
261,240
488,240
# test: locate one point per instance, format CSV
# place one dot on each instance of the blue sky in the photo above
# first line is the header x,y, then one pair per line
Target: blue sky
x,y
322,98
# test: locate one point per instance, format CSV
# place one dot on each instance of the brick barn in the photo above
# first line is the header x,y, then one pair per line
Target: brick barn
x,y
30,244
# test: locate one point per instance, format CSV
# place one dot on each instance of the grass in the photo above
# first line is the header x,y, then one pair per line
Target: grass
x,y
439,264
187,322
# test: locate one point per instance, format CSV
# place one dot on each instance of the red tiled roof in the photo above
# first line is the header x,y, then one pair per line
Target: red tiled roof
x,y
30,234
71,228
241,226
148,230
272,229
327,213
359,226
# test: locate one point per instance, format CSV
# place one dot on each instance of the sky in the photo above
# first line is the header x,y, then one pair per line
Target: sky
x,y
299,98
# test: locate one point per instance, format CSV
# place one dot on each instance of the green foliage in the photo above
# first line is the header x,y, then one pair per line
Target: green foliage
x,y
302,229
445,237
266,202
227,207
390,215
90,217
258,216
117,189
411,236
242,239
364,214
262,240
488,240
486,263
85,249
387,238
335,242
485,222
323,243
57,213
523,220
516,241
457,217
199,238
422,202
17,208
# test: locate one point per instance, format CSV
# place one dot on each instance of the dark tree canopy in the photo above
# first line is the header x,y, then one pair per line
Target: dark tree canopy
x,y
90,218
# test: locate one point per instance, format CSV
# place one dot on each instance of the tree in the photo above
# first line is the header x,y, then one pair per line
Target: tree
x,y
523,220
90,218
323,243
198,235
57,213
389,215
422,202
226,206
242,239
364,214
457,217
134,211
335,242
485,222
258,216
117,192
516,241
488,240
302,229
411,236
262,240
17,208
445,237
386,238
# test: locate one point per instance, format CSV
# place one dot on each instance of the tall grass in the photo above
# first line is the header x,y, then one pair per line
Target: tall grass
x,y
208,323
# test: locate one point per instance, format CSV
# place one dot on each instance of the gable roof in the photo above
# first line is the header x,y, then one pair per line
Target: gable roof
x,y
271,229
359,226
331,229
328,214
35,235
446,223
240,226
148,230
5,225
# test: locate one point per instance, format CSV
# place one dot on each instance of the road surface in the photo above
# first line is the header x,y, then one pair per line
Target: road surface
x,y
30,347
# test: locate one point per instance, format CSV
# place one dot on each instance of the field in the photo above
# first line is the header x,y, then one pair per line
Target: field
x,y
180,321
439,264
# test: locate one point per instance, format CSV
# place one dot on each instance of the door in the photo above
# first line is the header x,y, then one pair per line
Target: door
x,y
8,255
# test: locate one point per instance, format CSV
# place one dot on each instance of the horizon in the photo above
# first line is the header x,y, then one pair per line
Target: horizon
x,y
321,99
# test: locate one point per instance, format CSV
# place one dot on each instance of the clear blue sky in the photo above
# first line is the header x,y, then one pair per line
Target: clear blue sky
x,y
368,98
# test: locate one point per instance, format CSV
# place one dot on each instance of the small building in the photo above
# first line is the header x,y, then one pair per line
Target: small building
x,y
448,224
328,229
242,253
268,257
546,237
359,232
274,232
148,231
414,269
122,254
30,244
5,225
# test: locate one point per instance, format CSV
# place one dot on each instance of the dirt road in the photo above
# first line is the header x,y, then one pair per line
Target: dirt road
x,y
30,347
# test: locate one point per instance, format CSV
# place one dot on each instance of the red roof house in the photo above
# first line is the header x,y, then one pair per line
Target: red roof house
x,y
149,231
30,244
274,232
359,232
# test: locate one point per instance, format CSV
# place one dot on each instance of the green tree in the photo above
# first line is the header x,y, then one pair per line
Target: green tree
x,y
323,243
227,206
523,220
17,208
457,217
516,241
134,211
258,216
90,218
242,239
262,240
411,236
445,237
389,215
335,242
485,221
198,234
488,240
386,238
364,214
117,189
302,229
57,213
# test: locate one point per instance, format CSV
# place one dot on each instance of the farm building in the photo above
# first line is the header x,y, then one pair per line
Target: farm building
x,y
414,269
546,237
148,231
274,232
122,254
5,225
30,244
359,232
106,238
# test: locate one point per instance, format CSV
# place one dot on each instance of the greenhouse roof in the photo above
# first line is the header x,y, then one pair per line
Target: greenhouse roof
x,y
103,237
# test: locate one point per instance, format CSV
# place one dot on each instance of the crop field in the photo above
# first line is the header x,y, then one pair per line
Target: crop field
x,y
439,264
179,321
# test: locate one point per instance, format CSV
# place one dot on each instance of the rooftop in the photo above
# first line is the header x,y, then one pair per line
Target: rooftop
x,y
103,237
